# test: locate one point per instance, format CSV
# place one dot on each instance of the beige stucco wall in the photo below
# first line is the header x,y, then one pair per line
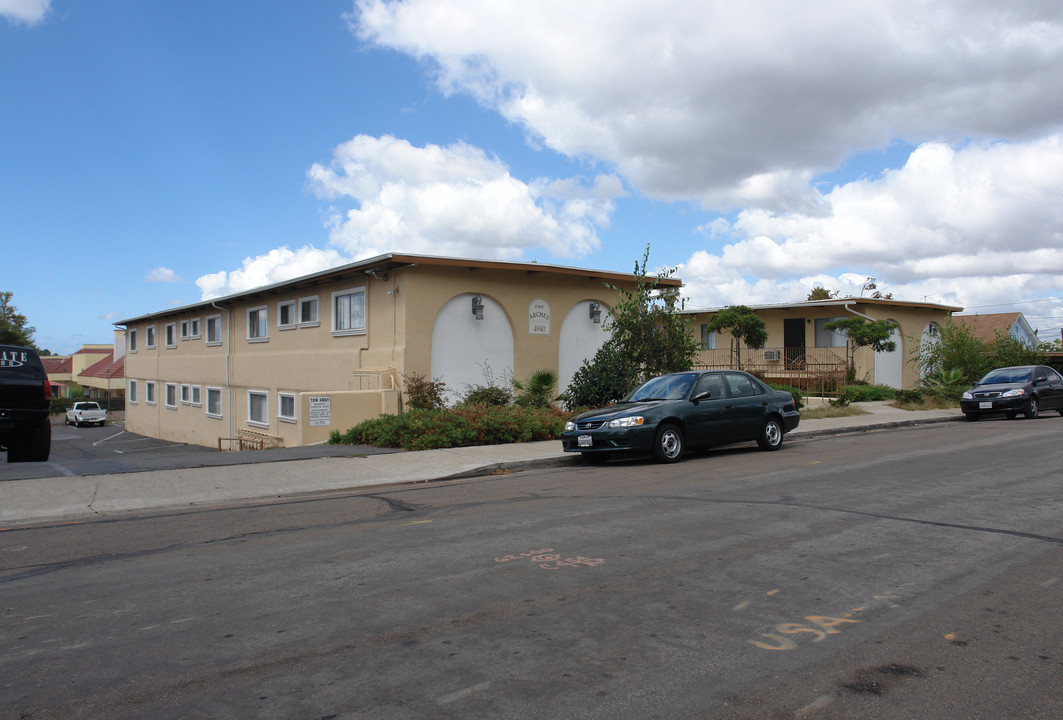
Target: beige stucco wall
x,y
361,373
912,320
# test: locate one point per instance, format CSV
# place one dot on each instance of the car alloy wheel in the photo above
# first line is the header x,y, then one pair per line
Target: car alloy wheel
x,y
1030,411
770,435
668,447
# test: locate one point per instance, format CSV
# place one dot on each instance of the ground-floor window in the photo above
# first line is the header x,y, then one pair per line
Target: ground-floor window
x,y
132,392
149,393
214,402
258,408
286,407
171,396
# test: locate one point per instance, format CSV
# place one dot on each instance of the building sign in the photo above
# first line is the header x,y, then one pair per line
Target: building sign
x,y
320,410
539,317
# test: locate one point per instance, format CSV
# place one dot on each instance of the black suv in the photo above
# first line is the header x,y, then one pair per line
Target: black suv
x,y
25,397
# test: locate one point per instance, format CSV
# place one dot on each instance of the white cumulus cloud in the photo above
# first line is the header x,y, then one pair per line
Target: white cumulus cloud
x,y
163,275
29,12
272,267
453,200
738,104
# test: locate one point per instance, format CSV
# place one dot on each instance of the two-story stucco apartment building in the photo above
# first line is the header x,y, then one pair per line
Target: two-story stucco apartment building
x,y
290,362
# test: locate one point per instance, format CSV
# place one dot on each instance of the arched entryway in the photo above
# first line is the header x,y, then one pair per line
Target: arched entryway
x,y
472,343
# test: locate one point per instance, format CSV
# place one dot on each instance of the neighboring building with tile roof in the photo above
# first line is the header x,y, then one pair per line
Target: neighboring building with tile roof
x,y
97,368
986,327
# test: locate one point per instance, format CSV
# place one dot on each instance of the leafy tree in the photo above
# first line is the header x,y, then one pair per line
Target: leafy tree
x,y
870,286
862,332
745,326
14,328
602,380
646,324
955,348
821,293
1006,350
647,337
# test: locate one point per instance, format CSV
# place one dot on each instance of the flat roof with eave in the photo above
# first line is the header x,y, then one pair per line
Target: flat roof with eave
x,y
389,261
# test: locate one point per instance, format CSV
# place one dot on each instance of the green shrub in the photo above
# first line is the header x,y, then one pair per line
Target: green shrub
x,y
423,393
537,391
489,395
462,426
869,393
606,378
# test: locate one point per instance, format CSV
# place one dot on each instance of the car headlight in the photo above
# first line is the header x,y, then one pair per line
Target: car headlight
x,y
1014,392
967,395
626,422
570,426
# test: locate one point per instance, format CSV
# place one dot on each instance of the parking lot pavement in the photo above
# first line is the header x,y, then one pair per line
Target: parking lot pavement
x,y
110,450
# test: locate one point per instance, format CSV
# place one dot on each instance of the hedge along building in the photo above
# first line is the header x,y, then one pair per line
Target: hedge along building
x,y
800,351
288,363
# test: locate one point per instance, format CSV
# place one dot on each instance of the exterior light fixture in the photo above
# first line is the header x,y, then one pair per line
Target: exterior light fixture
x,y
478,307
596,312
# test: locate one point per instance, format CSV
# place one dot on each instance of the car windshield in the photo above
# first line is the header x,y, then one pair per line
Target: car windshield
x,y
1006,375
669,387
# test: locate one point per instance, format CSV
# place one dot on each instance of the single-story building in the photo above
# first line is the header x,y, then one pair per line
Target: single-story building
x,y
801,352
986,327
288,363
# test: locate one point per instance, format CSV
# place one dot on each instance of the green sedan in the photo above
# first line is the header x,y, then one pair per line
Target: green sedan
x,y
665,416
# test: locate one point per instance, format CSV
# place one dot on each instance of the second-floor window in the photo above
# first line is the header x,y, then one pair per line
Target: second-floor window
x,y
214,330
256,324
348,312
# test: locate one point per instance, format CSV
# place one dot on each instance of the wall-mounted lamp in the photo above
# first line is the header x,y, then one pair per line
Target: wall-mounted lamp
x,y
596,313
478,307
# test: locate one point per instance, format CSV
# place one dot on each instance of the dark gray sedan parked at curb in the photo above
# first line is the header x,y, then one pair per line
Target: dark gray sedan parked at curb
x,y
1026,389
668,414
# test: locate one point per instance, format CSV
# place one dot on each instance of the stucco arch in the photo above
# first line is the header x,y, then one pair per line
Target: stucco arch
x,y
889,366
465,350
579,339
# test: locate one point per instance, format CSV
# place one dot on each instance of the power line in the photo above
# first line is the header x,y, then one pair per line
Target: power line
x,y
1017,302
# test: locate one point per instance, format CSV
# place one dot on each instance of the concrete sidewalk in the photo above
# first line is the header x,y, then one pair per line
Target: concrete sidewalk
x,y
69,498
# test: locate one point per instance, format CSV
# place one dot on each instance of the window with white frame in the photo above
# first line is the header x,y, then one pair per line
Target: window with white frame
x,y
708,337
149,337
257,331
214,330
171,396
190,395
132,341
197,395
829,338
286,315
190,329
308,312
171,335
348,312
131,394
258,408
214,408
149,393
286,407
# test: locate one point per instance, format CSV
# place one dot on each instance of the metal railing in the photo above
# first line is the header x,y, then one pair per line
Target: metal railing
x,y
817,370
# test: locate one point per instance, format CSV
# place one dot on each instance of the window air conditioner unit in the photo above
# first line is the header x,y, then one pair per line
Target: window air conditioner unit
x,y
772,355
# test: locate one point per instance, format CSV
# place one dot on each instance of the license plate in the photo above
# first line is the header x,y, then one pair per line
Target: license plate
x,y
585,441
985,405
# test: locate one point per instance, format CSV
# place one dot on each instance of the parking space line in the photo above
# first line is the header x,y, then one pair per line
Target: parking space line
x,y
108,438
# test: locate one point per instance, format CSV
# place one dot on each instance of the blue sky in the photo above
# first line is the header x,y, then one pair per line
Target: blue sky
x,y
158,153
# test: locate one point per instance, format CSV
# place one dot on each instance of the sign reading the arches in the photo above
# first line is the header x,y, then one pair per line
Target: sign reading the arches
x,y
539,317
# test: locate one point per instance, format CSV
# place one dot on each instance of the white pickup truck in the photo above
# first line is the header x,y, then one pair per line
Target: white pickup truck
x,y
86,412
